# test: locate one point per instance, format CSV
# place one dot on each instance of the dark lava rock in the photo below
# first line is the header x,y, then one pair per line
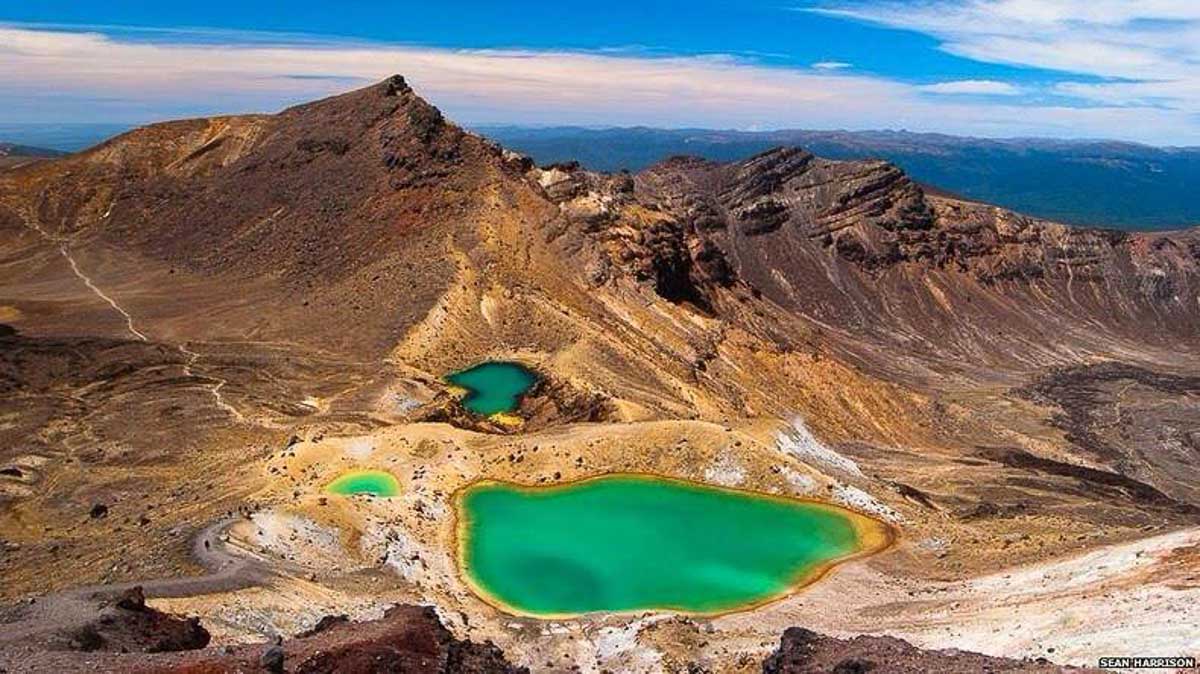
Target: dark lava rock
x,y
127,624
325,623
272,659
803,651
853,666
85,638
407,639
98,511
132,599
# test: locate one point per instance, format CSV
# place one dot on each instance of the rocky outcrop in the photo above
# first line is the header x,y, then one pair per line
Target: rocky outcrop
x,y
120,624
641,239
859,246
802,651
861,209
406,639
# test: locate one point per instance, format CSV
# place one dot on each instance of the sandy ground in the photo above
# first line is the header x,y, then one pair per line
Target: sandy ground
x,y
1068,611
356,555
1139,598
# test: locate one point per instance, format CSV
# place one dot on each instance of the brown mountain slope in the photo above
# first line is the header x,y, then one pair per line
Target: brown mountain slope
x,y
954,299
330,206
304,209
211,316
860,248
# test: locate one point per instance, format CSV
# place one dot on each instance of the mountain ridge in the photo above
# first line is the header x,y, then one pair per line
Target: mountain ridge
x,y
12,154
1104,183
351,156
865,133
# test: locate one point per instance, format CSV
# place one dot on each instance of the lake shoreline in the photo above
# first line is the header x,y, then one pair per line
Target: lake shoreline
x,y
872,535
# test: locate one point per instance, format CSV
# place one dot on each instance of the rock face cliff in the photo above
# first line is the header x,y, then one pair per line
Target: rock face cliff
x,y
859,247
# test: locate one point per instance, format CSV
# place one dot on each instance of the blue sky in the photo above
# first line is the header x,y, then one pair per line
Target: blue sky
x,y
1066,68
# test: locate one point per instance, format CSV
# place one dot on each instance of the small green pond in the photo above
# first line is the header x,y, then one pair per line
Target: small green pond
x,y
493,387
373,482
631,542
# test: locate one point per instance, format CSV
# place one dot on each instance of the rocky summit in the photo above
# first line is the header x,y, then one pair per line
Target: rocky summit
x,y
205,323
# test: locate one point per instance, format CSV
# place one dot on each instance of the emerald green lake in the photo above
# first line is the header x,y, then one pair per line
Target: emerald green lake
x,y
373,482
493,387
628,542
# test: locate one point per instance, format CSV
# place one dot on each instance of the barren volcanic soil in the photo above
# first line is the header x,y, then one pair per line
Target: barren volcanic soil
x,y
203,323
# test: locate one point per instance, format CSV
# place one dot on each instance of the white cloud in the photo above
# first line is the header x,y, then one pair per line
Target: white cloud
x,y
1176,93
51,75
831,65
975,87
1127,52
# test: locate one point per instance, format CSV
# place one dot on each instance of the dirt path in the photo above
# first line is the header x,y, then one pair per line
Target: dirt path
x,y
62,248
217,383
228,568
63,245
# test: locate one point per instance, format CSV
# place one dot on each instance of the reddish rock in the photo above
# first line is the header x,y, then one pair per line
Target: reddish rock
x,y
802,651
407,640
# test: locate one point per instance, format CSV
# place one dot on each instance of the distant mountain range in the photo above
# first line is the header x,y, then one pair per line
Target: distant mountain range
x,y
1105,183
1084,182
15,155
61,137
14,150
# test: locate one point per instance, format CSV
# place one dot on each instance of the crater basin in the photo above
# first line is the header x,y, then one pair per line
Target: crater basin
x,y
373,482
494,387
